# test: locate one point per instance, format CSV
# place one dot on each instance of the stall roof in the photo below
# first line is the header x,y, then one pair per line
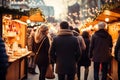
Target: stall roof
x,y
35,15
21,22
113,15
34,18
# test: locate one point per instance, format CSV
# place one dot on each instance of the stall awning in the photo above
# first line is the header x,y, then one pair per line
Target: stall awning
x,y
35,15
112,15
34,18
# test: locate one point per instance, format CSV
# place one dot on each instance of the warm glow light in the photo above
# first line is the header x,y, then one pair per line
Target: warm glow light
x,y
28,21
32,24
107,19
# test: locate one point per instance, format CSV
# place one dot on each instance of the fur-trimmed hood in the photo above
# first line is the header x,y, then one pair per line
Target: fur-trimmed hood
x,y
65,32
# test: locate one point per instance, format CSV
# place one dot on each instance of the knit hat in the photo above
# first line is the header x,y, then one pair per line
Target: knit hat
x,y
101,25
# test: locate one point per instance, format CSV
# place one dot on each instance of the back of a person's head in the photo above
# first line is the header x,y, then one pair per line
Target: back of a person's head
x,y
101,25
41,32
77,30
64,25
71,28
85,34
44,28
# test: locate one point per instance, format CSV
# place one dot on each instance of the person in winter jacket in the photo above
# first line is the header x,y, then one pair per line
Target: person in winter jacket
x,y
3,60
100,50
65,52
42,59
84,60
76,33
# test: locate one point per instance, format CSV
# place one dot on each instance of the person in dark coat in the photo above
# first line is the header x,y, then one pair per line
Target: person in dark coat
x,y
100,50
3,60
42,59
84,60
65,52
76,33
117,53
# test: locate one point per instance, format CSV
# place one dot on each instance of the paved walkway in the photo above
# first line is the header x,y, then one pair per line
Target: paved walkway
x,y
90,76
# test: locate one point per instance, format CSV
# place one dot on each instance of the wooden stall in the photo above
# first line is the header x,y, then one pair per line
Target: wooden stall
x,y
113,30
111,15
14,35
13,29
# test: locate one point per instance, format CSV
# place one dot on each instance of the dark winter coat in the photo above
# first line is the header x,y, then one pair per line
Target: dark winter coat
x,y
3,55
85,60
101,43
65,50
42,56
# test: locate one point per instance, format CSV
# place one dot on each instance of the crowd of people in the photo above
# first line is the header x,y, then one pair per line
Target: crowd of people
x,y
69,50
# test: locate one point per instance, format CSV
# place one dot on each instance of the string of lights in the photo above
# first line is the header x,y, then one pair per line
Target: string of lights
x,y
87,12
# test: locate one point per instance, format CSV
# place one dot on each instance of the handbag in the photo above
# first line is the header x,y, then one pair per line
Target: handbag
x,y
36,56
49,73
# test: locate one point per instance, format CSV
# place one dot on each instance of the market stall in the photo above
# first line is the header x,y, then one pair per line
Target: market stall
x,y
110,15
13,30
14,35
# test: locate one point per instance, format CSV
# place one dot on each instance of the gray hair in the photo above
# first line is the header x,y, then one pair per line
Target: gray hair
x,y
102,25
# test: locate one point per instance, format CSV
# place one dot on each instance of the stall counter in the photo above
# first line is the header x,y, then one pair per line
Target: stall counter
x,y
18,65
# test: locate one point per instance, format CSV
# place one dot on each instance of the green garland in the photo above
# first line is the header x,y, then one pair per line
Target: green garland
x,y
107,6
34,10
19,12
110,6
6,10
